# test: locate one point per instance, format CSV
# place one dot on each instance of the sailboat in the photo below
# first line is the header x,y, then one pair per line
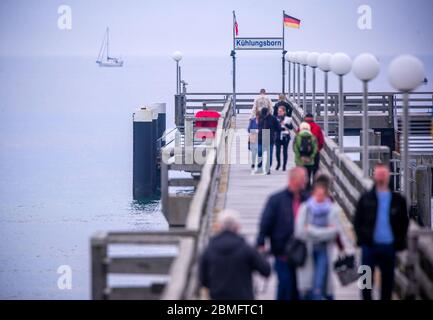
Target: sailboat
x,y
104,59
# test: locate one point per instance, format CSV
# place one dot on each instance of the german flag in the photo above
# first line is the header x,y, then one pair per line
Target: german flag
x,y
291,22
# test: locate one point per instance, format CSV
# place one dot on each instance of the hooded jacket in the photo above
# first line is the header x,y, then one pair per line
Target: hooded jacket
x,y
299,161
226,267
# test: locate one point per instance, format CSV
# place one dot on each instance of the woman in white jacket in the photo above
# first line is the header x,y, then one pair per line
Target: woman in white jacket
x,y
318,225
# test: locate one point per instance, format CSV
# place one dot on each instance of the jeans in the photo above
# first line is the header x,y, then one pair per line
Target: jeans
x,y
278,144
320,277
255,158
383,256
287,287
268,150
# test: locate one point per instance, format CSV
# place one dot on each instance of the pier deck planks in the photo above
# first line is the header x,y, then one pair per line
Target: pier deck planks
x,y
248,193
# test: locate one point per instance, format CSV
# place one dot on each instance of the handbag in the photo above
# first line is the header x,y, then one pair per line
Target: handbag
x,y
296,252
346,270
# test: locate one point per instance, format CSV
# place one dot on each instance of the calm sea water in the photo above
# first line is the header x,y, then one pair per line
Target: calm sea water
x,y
66,155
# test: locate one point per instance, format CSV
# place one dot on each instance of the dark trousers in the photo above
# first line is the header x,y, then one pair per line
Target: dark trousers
x,y
316,163
287,288
310,175
278,144
383,256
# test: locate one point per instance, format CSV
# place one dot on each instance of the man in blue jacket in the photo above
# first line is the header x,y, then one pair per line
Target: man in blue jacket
x,y
277,224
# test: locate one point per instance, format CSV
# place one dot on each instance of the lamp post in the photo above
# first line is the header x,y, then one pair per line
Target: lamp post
x,y
292,58
287,58
340,65
324,63
303,60
406,73
312,61
366,68
298,65
177,56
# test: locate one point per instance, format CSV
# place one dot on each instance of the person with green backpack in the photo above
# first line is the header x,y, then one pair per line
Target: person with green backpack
x,y
305,148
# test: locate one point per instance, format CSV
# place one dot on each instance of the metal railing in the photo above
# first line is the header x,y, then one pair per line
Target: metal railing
x,y
179,269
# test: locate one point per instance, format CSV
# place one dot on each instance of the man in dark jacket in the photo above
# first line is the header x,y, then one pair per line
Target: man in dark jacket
x,y
228,262
269,128
381,223
277,224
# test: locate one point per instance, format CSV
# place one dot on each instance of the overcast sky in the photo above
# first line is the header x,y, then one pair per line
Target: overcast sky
x,y
142,27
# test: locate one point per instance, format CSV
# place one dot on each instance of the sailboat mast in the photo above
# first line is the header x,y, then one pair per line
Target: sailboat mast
x,y
108,37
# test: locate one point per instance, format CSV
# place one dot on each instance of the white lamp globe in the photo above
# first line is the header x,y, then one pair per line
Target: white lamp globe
x,y
324,61
341,63
294,57
303,57
312,59
177,56
287,56
366,67
406,73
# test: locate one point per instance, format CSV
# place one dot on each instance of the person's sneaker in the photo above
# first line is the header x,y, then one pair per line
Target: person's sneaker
x,y
284,168
259,165
277,167
268,173
252,166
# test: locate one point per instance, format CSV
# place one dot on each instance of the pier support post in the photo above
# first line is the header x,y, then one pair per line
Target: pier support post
x,y
161,109
98,249
144,151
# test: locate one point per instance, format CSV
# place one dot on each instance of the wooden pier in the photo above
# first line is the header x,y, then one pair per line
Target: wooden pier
x,y
217,185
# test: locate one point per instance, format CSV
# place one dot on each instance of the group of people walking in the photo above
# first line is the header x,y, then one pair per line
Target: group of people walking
x,y
269,128
300,224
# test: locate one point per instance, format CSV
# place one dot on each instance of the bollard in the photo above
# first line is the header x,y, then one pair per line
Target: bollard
x,y
161,109
144,151
161,124
155,151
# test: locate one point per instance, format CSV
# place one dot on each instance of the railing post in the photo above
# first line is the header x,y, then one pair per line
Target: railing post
x,y
189,141
98,263
423,194
412,260
164,188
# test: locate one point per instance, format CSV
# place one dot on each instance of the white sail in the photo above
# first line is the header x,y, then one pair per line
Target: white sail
x,y
104,59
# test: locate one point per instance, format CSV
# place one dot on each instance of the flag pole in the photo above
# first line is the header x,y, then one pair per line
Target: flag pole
x,y
283,61
233,54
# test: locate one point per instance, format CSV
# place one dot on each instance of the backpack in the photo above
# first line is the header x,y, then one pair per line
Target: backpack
x,y
306,146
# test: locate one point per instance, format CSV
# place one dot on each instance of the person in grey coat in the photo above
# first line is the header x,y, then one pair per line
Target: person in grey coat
x,y
228,263
318,225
